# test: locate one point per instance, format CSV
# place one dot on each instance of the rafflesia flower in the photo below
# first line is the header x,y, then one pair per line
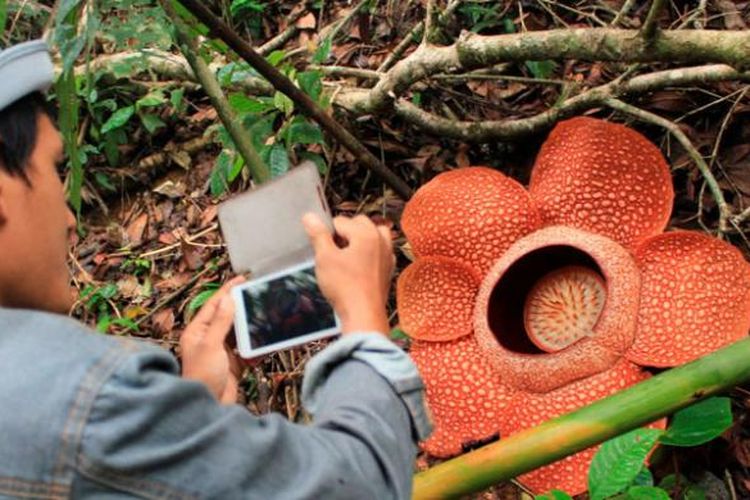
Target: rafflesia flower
x,y
527,304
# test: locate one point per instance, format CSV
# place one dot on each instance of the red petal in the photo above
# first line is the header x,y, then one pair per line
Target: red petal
x,y
470,214
467,400
436,298
602,177
569,474
695,298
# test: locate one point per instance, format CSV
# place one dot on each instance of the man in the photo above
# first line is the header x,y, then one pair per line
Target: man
x,y
85,415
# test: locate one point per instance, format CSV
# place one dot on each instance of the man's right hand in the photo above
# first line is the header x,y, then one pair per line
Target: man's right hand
x,y
357,277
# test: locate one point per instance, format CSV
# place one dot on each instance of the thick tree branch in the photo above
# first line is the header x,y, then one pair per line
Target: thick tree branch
x,y
473,51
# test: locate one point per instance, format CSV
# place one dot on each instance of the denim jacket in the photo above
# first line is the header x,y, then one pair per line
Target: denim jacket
x,y
84,415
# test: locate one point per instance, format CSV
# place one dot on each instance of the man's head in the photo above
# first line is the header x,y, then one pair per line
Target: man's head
x,y
35,221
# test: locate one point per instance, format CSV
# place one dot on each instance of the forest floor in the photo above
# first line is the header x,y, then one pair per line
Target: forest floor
x,y
150,250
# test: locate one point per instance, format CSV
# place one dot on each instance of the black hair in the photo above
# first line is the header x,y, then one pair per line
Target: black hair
x,y
18,132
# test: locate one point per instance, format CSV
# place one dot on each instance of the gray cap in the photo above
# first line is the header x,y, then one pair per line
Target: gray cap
x,y
24,68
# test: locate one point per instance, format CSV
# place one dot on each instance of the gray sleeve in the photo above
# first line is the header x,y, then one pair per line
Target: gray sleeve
x,y
152,434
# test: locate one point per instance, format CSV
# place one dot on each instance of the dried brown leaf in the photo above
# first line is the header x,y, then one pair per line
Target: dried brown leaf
x,y
162,322
307,22
135,230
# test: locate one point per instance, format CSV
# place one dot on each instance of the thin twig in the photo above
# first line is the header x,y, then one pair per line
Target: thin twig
x,y
413,36
302,100
713,185
650,25
339,25
626,7
429,22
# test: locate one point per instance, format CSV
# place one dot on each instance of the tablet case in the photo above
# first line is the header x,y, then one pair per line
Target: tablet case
x,y
263,226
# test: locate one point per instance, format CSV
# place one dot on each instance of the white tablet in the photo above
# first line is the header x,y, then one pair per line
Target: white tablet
x,y
282,310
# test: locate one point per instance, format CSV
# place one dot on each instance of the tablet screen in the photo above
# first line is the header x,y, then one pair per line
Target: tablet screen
x,y
285,307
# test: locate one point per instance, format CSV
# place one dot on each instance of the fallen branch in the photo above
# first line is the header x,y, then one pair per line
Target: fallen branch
x,y
474,51
638,405
511,129
159,159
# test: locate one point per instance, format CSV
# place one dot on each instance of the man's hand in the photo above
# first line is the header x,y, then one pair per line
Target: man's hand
x,y
205,355
356,278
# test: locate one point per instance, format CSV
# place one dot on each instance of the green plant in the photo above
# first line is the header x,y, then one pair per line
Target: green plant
x,y
618,471
279,133
97,300
209,289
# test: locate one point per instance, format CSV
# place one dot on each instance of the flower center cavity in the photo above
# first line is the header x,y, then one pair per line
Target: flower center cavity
x,y
547,300
563,307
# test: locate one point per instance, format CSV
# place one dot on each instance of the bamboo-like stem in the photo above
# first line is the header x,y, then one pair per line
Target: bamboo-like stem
x,y
638,405
302,100
258,169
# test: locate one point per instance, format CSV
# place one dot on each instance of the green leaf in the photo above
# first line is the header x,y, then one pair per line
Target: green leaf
x,y
200,299
644,478
125,322
275,57
646,493
219,180
311,83
118,119
243,104
278,160
103,322
303,132
150,100
245,7
68,123
618,462
316,159
104,181
283,103
398,334
541,69
176,99
324,49
554,495
152,122
108,291
3,14
699,423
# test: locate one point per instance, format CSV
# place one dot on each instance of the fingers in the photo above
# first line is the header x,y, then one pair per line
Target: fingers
x,y
359,229
319,234
222,321
208,310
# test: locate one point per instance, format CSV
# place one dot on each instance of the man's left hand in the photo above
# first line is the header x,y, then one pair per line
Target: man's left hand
x,y
205,355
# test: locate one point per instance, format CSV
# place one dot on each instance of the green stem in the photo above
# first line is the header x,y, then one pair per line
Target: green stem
x,y
638,405
242,141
